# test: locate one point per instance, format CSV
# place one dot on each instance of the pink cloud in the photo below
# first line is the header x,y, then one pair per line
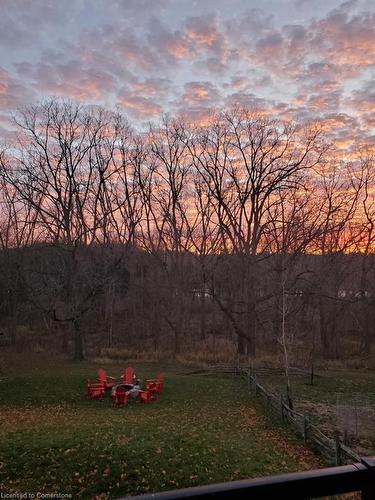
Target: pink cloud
x,y
12,92
199,93
346,39
363,100
139,107
150,87
171,45
325,102
203,31
70,79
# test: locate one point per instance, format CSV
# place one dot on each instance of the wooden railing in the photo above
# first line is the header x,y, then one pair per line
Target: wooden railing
x,y
296,486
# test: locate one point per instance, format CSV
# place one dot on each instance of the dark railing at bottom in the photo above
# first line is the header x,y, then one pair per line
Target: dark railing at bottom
x,y
299,485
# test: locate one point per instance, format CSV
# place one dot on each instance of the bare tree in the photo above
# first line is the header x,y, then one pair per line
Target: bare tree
x,y
58,171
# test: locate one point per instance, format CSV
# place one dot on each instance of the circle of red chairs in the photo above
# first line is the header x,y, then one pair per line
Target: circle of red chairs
x,y
122,393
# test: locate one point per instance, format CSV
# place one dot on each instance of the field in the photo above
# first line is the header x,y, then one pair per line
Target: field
x,y
338,399
203,429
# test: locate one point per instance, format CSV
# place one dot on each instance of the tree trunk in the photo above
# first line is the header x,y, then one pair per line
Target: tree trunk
x,y
78,341
203,316
64,337
241,345
12,318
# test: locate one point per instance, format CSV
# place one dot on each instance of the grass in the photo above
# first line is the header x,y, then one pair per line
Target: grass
x,y
332,390
203,429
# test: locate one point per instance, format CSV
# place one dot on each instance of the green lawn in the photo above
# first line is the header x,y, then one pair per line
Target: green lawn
x,y
203,429
333,390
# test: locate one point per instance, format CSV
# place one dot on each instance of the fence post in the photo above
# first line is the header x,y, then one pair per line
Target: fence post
x,y
346,437
305,428
337,448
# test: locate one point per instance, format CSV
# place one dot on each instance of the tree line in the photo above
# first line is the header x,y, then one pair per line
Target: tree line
x,y
248,229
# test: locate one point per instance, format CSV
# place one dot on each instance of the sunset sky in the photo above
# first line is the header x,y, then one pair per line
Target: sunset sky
x,y
305,59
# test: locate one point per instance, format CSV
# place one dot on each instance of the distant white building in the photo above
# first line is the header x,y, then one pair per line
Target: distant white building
x,y
202,292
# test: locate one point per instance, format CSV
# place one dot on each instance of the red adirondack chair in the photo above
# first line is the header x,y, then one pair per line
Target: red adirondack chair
x,y
107,381
95,391
120,396
129,376
155,385
147,396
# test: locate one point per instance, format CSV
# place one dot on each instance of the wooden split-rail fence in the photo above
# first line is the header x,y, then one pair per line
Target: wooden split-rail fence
x,y
332,449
